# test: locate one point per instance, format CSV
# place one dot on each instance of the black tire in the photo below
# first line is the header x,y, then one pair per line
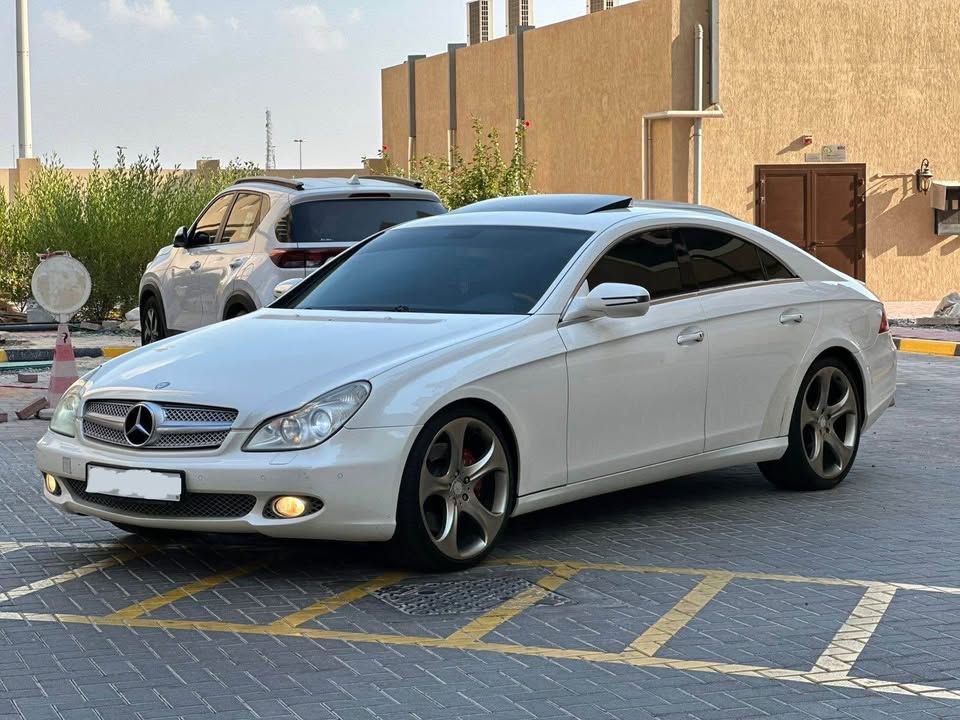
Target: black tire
x,y
153,323
161,535
412,545
235,312
798,468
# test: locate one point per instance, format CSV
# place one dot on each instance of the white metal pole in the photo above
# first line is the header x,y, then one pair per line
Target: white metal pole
x,y
24,119
698,122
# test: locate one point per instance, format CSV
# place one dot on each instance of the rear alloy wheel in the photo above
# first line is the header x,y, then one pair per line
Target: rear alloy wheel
x,y
152,325
457,492
824,431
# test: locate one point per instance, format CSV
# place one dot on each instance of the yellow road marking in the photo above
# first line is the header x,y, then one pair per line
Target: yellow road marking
x,y
852,637
184,591
815,678
74,574
475,630
742,575
663,630
928,347
335,602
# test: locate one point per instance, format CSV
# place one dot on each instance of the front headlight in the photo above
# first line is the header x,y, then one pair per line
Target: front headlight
x,y
309,426
65,416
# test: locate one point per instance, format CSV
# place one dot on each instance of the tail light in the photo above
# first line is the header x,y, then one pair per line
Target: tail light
x,y
884,325
303,259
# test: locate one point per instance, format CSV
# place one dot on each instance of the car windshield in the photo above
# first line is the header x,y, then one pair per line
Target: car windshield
x,y
356,219
483,269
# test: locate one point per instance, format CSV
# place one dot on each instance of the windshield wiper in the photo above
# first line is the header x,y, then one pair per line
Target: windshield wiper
x,y
401,308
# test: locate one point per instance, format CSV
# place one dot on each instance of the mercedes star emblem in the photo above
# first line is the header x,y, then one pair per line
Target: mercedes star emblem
x,y
140,424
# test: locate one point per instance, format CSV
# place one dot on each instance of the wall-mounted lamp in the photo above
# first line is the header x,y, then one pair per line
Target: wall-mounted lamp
x,y
924,176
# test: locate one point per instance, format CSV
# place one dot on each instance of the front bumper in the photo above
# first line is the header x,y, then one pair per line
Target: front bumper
x,y
356,474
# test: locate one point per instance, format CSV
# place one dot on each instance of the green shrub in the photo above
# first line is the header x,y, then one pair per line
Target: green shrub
x,y
485,175
113,221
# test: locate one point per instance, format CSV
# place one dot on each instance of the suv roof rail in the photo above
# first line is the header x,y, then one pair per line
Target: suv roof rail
x,y
271,180
390,178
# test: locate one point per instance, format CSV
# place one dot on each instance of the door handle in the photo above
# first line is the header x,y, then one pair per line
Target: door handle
x,y
690,338
234,264
791,317
195,265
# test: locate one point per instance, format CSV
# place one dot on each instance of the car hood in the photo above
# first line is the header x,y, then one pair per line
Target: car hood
x,y
273,361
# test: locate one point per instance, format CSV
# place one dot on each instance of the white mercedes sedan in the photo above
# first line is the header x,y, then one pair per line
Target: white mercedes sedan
x,y
442,376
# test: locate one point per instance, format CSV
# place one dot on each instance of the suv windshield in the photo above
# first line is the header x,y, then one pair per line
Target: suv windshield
x,y
484,269
352,220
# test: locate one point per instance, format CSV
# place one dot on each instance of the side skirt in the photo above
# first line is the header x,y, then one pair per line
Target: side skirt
x,y
759,451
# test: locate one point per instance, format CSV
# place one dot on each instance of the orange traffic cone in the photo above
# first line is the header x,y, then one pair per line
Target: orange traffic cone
x,y
64,372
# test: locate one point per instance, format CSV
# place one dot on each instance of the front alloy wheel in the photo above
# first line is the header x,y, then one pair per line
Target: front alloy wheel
x,y
456,493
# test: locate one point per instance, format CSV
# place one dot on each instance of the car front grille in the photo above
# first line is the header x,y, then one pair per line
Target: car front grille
x,y
179,427
190,505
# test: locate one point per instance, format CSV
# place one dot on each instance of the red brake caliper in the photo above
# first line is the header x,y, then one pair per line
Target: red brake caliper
x,y
469,459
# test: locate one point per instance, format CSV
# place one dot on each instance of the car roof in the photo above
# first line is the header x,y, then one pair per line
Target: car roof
x,y
575,211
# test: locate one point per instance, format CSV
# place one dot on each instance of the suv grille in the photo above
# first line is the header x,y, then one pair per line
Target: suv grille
x,y
198,505
178,427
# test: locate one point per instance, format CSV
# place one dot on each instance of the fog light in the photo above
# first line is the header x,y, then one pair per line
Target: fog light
x,y
288,506
51,484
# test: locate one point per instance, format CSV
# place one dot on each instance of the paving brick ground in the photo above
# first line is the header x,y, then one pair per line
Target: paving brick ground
x,y
894,520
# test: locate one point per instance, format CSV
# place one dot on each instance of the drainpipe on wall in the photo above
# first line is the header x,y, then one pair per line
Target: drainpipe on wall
x,y
412,109
698,114
452,100
698,122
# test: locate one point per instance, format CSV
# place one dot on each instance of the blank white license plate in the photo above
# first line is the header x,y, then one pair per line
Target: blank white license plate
x,y
139,484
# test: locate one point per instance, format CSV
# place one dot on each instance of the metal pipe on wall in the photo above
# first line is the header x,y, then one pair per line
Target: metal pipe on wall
x,y
698,122
24,115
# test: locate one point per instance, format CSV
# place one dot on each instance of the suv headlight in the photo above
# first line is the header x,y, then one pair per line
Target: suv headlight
x,y
309,426
67,412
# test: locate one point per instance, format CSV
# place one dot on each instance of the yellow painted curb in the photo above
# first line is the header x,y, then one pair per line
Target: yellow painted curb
x,y
3,356
116,350
927,347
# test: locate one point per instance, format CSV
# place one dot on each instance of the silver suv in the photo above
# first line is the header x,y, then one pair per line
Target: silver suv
x,y
260,232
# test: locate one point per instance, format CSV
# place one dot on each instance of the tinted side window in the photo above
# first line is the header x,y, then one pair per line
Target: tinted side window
x,y
208,225
648,260
774,269
244,218
721,259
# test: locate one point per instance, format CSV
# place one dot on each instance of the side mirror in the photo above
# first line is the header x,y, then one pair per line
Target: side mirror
x,y
282,288
180,237
613,300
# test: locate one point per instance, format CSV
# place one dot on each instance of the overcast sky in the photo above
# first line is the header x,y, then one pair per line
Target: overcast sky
x,y
194,76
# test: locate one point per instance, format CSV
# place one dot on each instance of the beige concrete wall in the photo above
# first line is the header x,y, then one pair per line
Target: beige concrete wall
x,y
486,90
876,76
585,133
433,106
393,89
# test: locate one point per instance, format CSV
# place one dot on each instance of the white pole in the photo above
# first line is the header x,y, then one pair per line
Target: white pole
x,y
24,119
698,122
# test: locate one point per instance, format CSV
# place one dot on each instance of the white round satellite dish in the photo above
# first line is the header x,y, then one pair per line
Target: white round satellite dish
x,y
61,285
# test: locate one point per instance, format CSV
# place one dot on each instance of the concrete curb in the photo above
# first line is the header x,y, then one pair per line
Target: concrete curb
x,y
928,347
43,355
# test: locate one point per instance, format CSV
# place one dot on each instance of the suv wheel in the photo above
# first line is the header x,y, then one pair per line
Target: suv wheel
x,y
152,324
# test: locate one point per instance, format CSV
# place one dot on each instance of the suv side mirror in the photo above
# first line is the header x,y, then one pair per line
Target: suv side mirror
x,y
180,237
613,300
